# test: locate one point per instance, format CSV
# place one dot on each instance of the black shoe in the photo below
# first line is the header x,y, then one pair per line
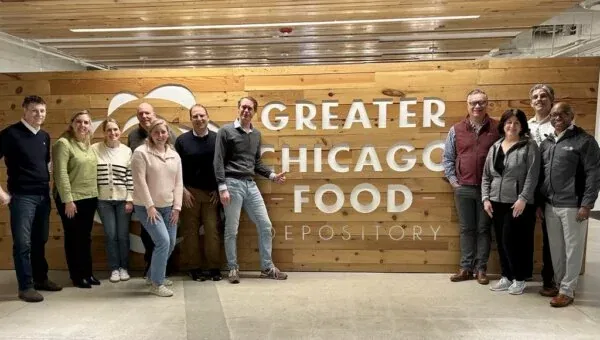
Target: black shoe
x,y
83,283
93,281
194,275
215,275
47,285
197,275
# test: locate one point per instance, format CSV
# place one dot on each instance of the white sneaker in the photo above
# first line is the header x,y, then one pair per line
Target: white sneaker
x,y
501,285
161,291
517,287
123,274
114,276
166,282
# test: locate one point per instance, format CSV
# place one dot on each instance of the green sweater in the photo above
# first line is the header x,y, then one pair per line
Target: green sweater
x,y
74,170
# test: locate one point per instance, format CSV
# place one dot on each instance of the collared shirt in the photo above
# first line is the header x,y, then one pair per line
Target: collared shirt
x,y
476,127
30,128
237,124
203,135
560,135
540,130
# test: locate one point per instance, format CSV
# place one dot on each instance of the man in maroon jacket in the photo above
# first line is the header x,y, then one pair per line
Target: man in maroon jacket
x,y
465,151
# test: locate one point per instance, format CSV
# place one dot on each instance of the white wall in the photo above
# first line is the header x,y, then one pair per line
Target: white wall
x,y
14,58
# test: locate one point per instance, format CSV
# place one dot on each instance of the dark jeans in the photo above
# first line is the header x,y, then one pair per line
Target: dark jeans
x,y
475,225
547,269
514,237
77,235
116,229
29,219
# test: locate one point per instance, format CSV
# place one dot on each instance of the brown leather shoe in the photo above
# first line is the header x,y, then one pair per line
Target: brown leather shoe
x,y
462,275
549,291
482,278
561,300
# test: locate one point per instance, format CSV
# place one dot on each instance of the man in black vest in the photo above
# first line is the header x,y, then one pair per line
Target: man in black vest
x,y
26,151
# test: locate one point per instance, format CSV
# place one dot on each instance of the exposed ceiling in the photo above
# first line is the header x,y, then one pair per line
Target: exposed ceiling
x,y
270,32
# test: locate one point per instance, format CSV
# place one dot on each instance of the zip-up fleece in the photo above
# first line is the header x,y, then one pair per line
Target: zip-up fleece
x,y
472,149
520,175
570,176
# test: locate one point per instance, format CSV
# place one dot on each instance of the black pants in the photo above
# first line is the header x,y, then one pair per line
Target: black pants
x,y
513,238
547,269
149,248
77,236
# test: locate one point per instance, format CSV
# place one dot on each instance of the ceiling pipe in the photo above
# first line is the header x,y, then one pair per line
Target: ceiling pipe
x,y
24,43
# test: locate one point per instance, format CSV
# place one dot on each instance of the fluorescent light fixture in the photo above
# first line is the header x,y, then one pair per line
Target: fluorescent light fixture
x,y
449,36
275,24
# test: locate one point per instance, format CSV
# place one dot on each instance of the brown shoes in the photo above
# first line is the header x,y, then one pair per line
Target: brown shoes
x,y
462,275
482,278
549,291
561,300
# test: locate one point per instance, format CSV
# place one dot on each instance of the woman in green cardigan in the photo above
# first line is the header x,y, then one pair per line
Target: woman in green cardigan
x,y
75,193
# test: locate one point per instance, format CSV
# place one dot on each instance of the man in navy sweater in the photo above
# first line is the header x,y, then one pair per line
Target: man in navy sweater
x,y
200,196
26,151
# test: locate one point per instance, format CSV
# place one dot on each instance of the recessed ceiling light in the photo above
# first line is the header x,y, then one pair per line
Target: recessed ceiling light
x,y
277,24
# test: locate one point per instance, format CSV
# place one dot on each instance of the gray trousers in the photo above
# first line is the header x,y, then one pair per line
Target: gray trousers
x,y
567,242
475,228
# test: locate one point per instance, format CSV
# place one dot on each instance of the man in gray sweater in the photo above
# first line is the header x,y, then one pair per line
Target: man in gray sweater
x,y
569,185
237,160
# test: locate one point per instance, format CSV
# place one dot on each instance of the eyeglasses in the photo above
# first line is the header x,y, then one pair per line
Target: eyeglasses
x,y
481,103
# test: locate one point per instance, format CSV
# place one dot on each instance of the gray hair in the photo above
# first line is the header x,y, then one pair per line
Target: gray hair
x,y
546,88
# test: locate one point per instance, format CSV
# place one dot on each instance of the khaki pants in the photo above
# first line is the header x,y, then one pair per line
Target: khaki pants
x,y
567,245
202,213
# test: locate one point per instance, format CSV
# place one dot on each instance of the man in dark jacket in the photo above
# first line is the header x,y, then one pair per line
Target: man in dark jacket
x,y
569,184
465,151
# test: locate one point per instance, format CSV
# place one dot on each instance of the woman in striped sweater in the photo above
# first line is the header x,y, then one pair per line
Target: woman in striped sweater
x,y
115,187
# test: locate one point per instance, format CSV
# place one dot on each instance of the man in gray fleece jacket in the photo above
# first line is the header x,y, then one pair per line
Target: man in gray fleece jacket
x,y
237,160
569,184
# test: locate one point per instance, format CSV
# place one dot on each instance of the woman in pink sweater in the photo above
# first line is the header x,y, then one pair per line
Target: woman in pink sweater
x,y
157,196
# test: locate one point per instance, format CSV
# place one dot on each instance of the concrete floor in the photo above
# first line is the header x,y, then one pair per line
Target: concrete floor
x,y
307,306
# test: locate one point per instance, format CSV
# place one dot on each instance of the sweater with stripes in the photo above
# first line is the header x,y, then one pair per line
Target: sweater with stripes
x,y
114,172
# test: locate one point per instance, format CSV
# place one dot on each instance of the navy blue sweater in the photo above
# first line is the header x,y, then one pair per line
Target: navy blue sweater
x,y
26,156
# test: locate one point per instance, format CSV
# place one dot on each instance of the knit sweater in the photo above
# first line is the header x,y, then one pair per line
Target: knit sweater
x,y
114,172
26,156
74,170
157,179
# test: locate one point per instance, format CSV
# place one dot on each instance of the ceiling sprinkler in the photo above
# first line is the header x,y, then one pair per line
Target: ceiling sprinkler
x,y
285,31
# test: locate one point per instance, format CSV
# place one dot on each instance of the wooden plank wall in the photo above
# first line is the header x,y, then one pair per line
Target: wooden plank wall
x,y
356,247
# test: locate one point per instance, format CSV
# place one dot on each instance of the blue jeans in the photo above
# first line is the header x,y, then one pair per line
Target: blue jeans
x,y
116,227
29,219
244,193
164,235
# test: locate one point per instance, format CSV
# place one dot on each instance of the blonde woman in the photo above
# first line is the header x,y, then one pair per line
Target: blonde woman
x,y
75,193
115,203
157,197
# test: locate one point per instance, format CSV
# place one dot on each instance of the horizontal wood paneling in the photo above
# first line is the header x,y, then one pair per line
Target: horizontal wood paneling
x,y
425,238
